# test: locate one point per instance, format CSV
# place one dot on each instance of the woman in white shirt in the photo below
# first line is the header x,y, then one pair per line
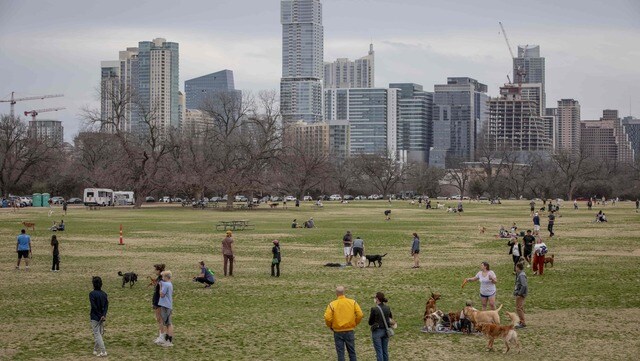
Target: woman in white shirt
x,y
488,282
539,250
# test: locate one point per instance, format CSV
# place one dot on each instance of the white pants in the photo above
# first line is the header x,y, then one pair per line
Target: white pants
x,y
98,330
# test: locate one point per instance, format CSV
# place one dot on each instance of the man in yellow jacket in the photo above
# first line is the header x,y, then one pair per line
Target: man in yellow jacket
x,y
342,316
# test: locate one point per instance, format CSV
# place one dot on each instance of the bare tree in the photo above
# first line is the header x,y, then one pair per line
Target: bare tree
x,y
575,168
459,175
381,171
343,174
301,169
425,179
20,153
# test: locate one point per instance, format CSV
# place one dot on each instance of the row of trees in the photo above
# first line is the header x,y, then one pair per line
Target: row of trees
x,y
242,151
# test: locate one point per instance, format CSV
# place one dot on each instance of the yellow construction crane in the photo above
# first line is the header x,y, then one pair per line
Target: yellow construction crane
x,y
13,100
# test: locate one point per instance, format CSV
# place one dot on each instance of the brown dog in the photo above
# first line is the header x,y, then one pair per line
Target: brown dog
x,y
29,225
506,333
477,317
482,229
548,259
431,307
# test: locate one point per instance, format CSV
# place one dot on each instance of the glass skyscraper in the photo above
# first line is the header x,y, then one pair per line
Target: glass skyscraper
x,y
199,89
415,122
532,67
302,60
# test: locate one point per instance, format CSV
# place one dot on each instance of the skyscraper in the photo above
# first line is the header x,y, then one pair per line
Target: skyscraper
x,y
529,67
632,128
372,114
199,89
48,130
157,92
568,122
459,111
415,122
344,73
606,138
302,60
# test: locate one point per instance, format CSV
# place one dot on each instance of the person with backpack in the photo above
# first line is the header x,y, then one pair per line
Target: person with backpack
x,y
539,252
206,276
381,322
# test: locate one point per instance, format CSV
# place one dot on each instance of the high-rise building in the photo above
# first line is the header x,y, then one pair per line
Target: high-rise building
x,y
302,60
339,140
415,136
606,138
344,73
529,67
310,137
551,125
568,122
515,124
459,112
110,90
199,89
48,130
157,92
632,128
195,122
372,114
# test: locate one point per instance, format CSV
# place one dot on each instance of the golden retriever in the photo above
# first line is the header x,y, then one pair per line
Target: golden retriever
x,y
507,333
476,317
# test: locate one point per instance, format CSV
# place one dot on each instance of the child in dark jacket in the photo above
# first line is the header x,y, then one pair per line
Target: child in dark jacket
x,y
99,306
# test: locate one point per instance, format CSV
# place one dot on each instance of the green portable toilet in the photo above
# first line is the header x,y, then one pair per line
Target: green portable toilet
x,y
37,200
45,200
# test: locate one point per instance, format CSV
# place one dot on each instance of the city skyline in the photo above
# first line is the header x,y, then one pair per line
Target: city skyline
x,y
588,57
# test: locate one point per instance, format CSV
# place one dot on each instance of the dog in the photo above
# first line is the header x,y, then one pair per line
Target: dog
x,y
440,206
507,333
131,278
476,317
373,258
453,318
482,229
28,225
433,320
430,308
548,259
360,262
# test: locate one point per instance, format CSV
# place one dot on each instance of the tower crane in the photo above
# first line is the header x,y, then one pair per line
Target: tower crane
x,y
33,113
13,100
520,72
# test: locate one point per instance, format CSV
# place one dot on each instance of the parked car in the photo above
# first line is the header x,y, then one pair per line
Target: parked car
x,y
348,197
57,200
149,199
307,198
215,199
26,201
74,201
276,199
335,197
375,197
290,198
240,199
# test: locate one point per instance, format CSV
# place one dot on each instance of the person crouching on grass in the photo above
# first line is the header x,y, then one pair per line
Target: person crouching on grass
x,y
206,276
166,307
99,306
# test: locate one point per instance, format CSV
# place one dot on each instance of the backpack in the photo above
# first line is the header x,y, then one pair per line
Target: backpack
x,y
543,250
212,275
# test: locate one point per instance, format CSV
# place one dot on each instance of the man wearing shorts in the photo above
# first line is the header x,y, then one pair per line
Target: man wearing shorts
x,y
23,247
528,240
166,307
347,244
358,247
536,224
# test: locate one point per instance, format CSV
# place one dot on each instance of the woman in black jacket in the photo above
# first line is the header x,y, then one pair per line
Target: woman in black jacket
x,y
378,328
515,250
277,258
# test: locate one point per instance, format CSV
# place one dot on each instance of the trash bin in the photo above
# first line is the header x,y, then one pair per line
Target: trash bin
x,y
37,200
45,199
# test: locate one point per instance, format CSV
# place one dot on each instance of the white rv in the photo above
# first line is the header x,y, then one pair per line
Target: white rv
x,y
124,198
98,197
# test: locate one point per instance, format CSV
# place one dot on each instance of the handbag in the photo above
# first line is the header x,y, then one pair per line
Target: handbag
x,y
390,331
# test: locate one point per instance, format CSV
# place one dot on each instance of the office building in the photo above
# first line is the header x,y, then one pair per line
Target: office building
x,y
47,130
204,88
632,128
568,122
344,73
372,114
414,123
606,139
312,138
459,112
514,124
195,122
110,90
529,67
302,60
551,125
339,140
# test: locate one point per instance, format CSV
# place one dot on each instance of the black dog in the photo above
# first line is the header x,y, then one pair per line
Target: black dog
x,y
130,278
373,258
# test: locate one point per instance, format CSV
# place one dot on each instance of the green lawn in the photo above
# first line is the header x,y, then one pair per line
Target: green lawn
x,y
586,307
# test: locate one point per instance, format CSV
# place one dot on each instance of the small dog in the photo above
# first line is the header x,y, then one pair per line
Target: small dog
x,y
433,320
482,229
453,318
29,225
373,258
507,333
131,278
430,307
360,262
548,259
477,317
440,206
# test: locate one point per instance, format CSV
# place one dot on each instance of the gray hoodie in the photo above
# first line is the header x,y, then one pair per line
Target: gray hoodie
x,y
521,288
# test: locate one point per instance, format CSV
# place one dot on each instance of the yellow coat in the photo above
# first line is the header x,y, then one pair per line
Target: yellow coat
x,y
343,314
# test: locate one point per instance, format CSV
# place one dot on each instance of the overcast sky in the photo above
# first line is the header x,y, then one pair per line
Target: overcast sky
x,y
592,48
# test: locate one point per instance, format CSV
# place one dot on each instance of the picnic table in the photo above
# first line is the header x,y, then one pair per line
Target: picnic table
x,y
238,225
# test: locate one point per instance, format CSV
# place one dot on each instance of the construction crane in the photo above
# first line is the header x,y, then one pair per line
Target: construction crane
x,y
33,113
13,100
520,72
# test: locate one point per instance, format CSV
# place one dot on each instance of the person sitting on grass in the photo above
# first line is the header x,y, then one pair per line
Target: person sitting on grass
x,y
54,226
310,223
295,224
502,233
61,225
206,276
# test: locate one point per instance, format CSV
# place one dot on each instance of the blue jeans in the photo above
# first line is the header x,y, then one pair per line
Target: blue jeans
x,y
343,339
380,344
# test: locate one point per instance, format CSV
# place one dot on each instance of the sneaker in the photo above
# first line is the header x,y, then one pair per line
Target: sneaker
x,y
167,344
102,354
95,353
159,340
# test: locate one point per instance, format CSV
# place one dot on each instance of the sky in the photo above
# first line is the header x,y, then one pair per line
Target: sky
x,y
592,48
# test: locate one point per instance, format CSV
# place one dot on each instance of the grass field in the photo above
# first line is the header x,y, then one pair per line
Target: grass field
x,y
587,307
